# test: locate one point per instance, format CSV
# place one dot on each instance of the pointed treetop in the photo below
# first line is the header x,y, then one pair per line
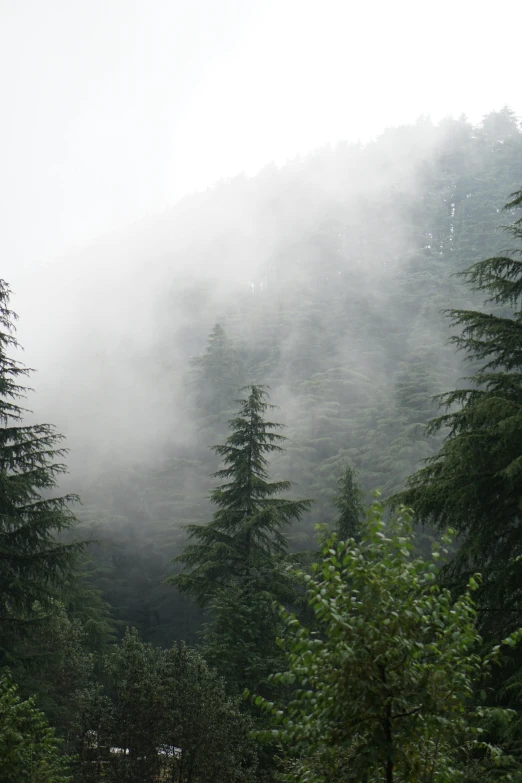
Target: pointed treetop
x,y
245,534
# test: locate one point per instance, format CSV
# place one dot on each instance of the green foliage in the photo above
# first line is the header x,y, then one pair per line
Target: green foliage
x,y
29,750
54,665
168,714
383,691
474,482
245,534
205,724
34,566
134,725
359,244
239,640
349,503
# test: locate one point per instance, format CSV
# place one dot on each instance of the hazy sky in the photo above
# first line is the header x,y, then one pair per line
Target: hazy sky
x,y
113,109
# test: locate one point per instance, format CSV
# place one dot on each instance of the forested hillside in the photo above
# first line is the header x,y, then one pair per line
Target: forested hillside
x,y
215,591
327,281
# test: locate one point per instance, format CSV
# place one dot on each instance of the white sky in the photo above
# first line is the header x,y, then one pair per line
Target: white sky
x,y
113,109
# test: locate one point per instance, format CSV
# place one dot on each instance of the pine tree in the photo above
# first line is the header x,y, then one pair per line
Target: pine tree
x,y
474,483
244,538
33,564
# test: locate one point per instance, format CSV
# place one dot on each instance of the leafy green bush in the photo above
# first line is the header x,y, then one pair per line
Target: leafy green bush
x,y
29,750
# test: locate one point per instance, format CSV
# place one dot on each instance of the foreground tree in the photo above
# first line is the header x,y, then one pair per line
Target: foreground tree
x,y
384,690
245,538
474,483
33,564
29,750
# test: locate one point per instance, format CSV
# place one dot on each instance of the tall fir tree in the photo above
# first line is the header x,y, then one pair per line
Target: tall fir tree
x,y
245,538
474,483
34,565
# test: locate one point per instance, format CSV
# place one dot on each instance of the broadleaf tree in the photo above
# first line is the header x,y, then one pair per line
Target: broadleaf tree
x,y
383,689
167,717
29,750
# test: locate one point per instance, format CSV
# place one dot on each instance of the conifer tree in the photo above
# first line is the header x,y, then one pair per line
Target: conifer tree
x,y
349,503
474,483
245,538
33,564
239,640
215,377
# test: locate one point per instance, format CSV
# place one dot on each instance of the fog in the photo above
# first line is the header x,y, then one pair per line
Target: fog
x,y
286,169
101,324
118,113
114,110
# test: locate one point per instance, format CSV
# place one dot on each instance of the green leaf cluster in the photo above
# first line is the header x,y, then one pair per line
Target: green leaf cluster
x,y
166,713
384,689
29,750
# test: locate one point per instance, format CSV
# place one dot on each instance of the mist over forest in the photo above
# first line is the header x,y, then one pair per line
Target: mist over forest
x,y
322,286
324,279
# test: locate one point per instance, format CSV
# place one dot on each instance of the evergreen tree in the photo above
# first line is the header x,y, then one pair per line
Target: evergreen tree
x,y
239,640
349,502
215,377
474,483
244,538
33,564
